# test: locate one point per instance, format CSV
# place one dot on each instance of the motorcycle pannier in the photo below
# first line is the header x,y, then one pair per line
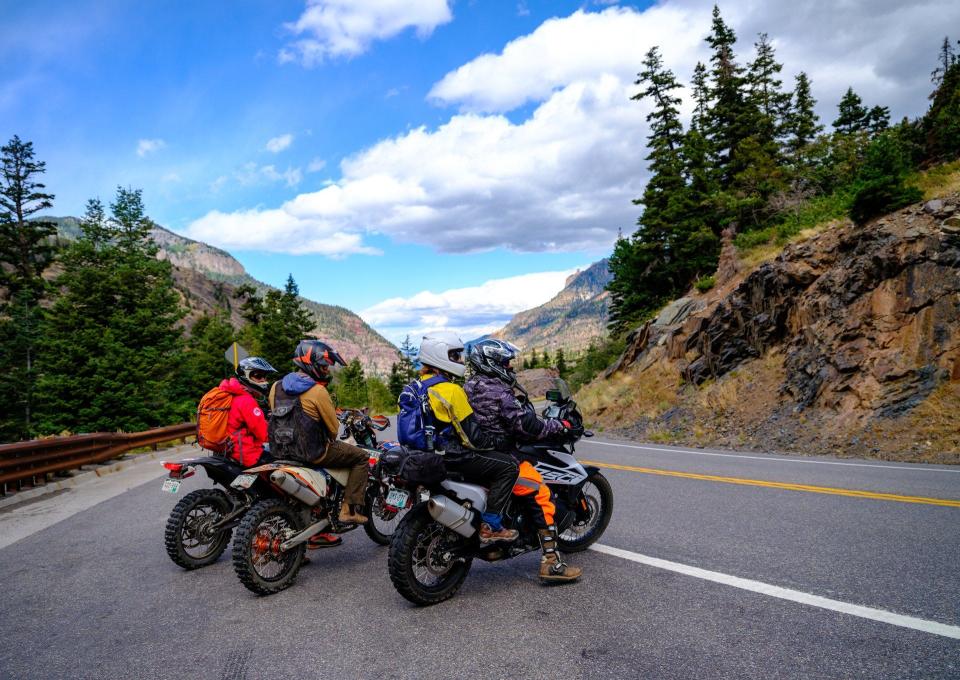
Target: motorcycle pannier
x,y
422,467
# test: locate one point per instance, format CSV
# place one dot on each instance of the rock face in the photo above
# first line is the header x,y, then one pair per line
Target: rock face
x,y
576,316
536,381
207,278
866,319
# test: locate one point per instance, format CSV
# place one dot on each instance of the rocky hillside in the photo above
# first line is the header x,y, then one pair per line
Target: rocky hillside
x,y
848,341
571,320
207,277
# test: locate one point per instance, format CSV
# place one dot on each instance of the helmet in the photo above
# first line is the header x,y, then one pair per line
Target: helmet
x,y
315,358
442,350
492,357
254,373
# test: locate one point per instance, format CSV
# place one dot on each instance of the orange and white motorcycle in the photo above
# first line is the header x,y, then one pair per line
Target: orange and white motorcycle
x,y
270,542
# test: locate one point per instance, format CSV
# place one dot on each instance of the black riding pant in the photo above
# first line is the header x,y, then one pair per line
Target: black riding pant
x,y
493,469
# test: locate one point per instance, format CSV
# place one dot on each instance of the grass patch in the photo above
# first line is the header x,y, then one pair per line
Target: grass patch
x,y
937,181
705,283
812,214
629,395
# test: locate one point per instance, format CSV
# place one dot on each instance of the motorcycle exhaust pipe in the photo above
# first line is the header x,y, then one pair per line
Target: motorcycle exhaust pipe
x,y
294,487
452,515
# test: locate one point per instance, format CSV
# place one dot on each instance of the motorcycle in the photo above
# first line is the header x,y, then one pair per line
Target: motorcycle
x,y
270,542
202,522
434,547
359,425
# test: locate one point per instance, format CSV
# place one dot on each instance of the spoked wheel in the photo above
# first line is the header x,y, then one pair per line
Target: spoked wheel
x,y
384,520
423,565
190,539
592,516
257,558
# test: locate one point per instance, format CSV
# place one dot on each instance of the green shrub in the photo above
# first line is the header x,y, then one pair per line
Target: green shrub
x,y
705,283
881,196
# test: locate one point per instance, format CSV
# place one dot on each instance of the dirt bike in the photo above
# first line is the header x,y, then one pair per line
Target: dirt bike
x,y
270,542
200,525
360,426
433,548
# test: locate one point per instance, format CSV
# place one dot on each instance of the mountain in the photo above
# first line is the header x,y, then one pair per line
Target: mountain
x,y
846,342
574,317
207,278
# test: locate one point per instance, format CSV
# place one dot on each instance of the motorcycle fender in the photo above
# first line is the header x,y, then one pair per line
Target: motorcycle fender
x,y
591,469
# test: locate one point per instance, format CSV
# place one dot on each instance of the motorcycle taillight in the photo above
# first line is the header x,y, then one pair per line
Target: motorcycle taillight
x,y
179,470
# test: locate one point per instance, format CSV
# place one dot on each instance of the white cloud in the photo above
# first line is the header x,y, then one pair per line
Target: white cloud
x,y
470,311
251,174
346,28
278,144
316,165
148,146
563,177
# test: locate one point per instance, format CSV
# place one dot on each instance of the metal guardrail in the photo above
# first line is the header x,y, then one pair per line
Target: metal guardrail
x,y
35,460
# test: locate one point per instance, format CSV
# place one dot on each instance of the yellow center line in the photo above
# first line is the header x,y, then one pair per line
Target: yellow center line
x,y
782,485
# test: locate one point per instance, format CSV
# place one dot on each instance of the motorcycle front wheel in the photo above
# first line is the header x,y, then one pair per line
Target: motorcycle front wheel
x,y
190,539
422,566
595,502
383,522
259,562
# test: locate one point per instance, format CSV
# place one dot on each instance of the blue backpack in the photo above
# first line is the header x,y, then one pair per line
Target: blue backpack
x,y
416,415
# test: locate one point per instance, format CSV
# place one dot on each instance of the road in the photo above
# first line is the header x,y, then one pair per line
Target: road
x,y
716,564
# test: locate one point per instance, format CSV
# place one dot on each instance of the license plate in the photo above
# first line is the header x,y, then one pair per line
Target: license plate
x,y
243,481
171,485
398,498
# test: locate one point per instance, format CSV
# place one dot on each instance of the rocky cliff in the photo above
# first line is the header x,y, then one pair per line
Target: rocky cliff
x,y
848,341
574,317
207,277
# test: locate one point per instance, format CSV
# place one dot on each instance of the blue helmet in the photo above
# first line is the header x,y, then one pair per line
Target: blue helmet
x,y
492,357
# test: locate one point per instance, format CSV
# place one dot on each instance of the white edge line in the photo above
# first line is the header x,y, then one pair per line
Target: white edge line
x,y
919,468
881,615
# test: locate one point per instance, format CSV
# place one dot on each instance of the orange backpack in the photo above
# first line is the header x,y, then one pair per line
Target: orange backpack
x,y
213,412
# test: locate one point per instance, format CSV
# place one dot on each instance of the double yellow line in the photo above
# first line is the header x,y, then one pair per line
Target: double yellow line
x,y
783,485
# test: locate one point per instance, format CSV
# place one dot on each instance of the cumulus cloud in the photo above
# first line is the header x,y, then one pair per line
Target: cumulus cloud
x,y
471,311
563,177
346,28
278,144
146,147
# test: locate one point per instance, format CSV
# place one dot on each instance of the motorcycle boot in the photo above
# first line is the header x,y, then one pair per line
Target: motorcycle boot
x,y
488,534
552,568
350,516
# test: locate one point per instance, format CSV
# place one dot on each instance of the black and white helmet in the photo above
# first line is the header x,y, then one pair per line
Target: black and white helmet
x,y
254,373
492,357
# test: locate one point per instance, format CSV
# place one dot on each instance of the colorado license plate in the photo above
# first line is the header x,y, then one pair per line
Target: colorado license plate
x,y
398,498
243,481
171,485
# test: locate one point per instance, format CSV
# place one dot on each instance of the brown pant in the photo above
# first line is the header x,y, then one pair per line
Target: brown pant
x,y
339,454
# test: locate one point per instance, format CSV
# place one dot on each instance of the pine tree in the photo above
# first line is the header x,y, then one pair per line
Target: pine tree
x,y
277,322
561,362
534,359
802,124
350,385
941,124
545,359
945,59
853,114
112,339
397,381
203,361
766,95
877,119
26,250
701,98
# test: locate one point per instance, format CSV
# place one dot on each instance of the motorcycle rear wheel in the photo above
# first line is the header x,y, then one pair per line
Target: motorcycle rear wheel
x,y
598,495
257,560
380,528
417,565
188,538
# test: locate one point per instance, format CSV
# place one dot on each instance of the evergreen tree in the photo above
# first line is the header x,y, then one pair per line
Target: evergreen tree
x,y
26,250
945,59
351,385
545,360
767,97
534,359
203,362
941,124
802,124
113,345
877,119
561,362
854,116
276,322
397,381
880,186
701,98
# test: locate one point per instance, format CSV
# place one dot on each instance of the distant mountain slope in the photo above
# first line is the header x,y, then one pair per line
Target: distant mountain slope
x,y
207,278
576,316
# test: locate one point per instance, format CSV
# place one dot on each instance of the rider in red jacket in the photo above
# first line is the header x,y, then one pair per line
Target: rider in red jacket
x,y
246,423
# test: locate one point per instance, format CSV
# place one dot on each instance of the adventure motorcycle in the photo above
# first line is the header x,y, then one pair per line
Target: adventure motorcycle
x,y
200,525
436,543
270,543
389,497
359,426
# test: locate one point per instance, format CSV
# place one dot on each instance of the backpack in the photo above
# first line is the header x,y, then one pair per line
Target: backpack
x,y
416,415
293,435
213,413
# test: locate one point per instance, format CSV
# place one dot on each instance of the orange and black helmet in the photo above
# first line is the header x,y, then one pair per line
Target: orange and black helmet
x,y
314,358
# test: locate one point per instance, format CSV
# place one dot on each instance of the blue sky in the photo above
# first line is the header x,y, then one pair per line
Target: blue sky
x,y
392,153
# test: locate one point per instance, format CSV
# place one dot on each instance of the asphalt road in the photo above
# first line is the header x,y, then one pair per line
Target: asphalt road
x,y
93,594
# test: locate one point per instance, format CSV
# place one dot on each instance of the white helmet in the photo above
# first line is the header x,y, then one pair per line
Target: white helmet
x,y
442,350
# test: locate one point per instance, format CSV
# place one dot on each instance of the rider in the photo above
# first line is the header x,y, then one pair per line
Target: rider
x,y
467,449
490,390
313,360
246,423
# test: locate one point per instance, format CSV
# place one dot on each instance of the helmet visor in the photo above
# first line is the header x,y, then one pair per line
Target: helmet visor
x,y
456,355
